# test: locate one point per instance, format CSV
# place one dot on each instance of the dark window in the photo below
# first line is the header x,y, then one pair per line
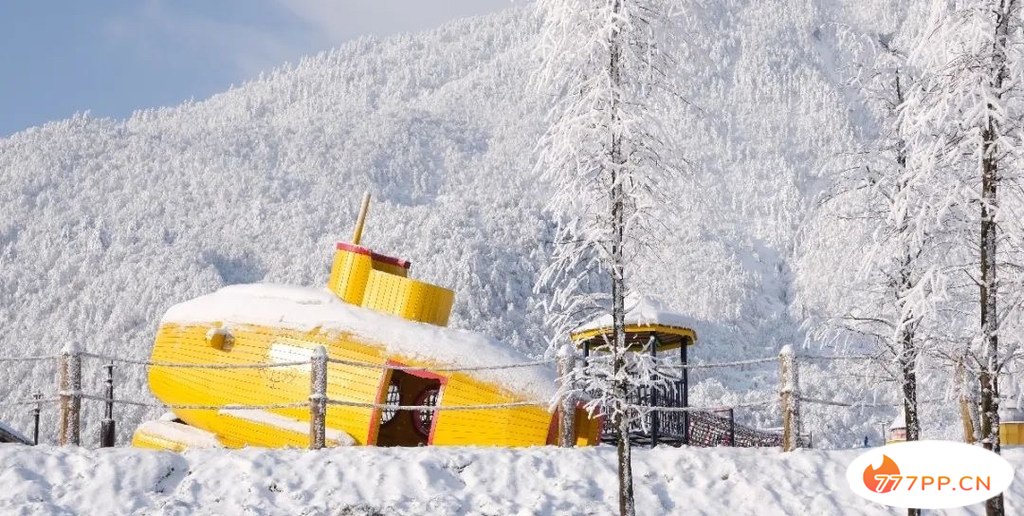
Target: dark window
x,y
425,417
392,399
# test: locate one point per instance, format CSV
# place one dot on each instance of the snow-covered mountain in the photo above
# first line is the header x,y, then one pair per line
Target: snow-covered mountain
x,y
104,223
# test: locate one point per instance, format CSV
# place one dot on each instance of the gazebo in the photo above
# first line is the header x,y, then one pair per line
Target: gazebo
x,y
653,329
897,429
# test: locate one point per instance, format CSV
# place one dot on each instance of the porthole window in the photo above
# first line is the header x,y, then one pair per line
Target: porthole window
x,y
391,399
424,418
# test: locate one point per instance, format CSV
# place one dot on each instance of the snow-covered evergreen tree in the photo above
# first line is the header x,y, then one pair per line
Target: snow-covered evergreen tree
x,y
605,62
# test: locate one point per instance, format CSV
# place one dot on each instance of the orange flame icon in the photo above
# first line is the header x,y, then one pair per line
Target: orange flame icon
x,y
880,480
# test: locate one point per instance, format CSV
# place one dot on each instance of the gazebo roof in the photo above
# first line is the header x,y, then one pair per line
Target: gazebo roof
x,y
10,435
899,422
1010,413
645,318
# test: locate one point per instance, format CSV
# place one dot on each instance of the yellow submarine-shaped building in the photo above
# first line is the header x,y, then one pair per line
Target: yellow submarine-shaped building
x,y
387,335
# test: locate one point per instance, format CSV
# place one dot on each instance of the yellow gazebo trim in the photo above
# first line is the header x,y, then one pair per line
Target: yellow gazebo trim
x,y
657,329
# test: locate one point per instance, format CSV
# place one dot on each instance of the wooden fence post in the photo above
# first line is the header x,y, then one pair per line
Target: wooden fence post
x,y
70,392
35,417
107,425
652,393
318,399
566,363
789,398
732,427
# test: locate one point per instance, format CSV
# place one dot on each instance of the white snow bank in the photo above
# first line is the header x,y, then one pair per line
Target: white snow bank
x,y
711,481
642,311
305,309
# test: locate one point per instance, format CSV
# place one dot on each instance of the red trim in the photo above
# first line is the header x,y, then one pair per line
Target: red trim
x,y
382,391
390,260
352,248
596,416
552,438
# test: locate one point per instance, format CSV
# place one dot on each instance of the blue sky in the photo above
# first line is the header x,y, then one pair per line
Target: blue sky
x,y
111,57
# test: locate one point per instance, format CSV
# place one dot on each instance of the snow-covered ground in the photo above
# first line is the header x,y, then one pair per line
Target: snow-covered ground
x,y
717,481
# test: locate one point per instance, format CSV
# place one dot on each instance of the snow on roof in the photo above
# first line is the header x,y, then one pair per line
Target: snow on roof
x,y
1011,413
305,309
10,435
642,311
899,422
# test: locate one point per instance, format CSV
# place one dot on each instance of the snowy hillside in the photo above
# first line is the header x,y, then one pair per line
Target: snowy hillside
x,y
546,481
104,224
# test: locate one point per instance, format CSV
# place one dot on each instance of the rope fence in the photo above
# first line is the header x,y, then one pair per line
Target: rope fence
x,y
70,393
193,365
386,406
737,363
353,363
838,357
704,365
749,404
855,404
37,358
306,404
21,403
271,406
371,365
491,406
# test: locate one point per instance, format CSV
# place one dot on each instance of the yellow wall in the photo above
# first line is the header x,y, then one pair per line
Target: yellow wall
x,y
407,298
358,279
349,274
1011,434
519,426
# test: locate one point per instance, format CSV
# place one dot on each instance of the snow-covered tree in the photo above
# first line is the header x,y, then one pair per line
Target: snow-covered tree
x,y
605,64
879,219
966,121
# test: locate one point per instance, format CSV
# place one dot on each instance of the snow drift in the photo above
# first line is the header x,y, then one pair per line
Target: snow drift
x,y
364,481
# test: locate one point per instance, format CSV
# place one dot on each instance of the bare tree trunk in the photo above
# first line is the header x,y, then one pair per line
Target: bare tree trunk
x,y
567,405
906,344
908,365
989,295
989,289
618,206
